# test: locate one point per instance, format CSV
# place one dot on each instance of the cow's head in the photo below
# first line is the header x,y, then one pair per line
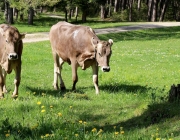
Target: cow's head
x,y
103,54
12,37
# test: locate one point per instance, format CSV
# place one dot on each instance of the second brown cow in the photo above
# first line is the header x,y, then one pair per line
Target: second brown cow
x,y
11,47
79,47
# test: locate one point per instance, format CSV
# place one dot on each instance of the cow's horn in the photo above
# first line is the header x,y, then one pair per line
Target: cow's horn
x,y
110,41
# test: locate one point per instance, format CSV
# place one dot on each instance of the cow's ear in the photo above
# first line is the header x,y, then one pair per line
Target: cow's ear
x,y
2,31
22,36
110,41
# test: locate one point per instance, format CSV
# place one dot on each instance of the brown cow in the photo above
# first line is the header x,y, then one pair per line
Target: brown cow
x,y
79,46
11,47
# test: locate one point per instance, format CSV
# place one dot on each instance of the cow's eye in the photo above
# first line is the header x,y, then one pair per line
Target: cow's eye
x,y
6,41
100,54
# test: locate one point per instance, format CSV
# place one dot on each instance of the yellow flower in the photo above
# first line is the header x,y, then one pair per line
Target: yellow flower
x,y
42,137
116,133
7,135
38,103
43,110
47,135
94,130
51,106
114,127
85,122
43,94
80,121
42,106
70,107
76,135
157,138
122,132
59,114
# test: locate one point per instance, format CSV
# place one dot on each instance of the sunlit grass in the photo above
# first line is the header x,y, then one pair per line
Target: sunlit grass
x,y
133,96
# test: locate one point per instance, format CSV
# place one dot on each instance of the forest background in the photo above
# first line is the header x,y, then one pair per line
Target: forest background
x,y
118,10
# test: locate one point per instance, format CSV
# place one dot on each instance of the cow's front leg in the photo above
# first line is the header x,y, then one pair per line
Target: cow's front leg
x,y
1,84
74,66
4,78
17,81
95,77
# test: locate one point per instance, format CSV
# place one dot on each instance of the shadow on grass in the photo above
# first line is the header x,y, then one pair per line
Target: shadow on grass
x,y
116,88
161,114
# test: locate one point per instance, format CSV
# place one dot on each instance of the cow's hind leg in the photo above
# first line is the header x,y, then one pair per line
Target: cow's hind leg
x,y
58,62
62,85
1,84
74,66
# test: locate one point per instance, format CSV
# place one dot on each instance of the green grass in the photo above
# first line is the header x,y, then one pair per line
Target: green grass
x,y
133,96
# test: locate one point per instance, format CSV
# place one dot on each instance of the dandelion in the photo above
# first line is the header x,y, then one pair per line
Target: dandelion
x,y
59,114
80,121
85,122
157,138
7,135
43,110
47,135
38,103
122,132
42,106
70,107
42,137
34,93
94,130
76,135
116,133
100,131
51,106
43,94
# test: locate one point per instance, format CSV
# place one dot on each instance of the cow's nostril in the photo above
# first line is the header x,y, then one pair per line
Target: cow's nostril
x,y
13,56
106,69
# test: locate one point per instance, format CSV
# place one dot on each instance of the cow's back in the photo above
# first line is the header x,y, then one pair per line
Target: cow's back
x,y
69,40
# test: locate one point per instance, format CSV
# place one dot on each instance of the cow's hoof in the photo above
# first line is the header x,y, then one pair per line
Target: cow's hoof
x,y
1,97
63,88
14,96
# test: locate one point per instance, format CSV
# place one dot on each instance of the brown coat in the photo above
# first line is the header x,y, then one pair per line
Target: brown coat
x,y
11,47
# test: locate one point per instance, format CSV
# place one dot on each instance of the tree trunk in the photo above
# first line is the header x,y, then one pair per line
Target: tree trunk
x,y
116,6
149,9
161,18
30,16
102,12
76,13
10,15
6,11
66,16
110,5
130,10
84,14
16,13
139,5
154,11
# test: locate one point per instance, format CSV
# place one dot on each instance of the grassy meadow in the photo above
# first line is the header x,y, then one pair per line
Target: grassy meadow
x,y
133,101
